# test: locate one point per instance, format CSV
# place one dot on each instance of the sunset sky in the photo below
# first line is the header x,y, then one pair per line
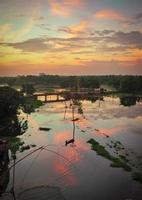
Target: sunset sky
x,y
70,37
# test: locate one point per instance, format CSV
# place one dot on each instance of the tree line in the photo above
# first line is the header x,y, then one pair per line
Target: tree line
x,y
120,83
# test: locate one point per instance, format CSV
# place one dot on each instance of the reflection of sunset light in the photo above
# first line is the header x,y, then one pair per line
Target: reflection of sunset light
x,y
61,167
62,136
82,147
72,154
64,169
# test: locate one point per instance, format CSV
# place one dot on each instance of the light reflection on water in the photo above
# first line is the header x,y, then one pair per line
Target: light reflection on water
x,y
85,175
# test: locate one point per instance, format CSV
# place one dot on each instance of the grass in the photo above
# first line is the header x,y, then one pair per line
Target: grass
x,y
123,158
101,151
117,162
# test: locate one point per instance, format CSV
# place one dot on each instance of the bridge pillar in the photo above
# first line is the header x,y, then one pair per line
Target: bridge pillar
x,y
45,98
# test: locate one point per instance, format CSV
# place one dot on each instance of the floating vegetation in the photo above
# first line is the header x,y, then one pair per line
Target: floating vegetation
x,y
26,147
119,156
44,129
23,148
100,150
122,160
33,145
116,162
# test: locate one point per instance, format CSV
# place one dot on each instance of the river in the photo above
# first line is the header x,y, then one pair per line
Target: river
x,y
76,169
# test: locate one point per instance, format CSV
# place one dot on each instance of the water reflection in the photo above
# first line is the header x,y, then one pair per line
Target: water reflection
x,y
76,122
129,100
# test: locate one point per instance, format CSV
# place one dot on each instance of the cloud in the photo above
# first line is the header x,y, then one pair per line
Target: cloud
x,y
109,14
75,30
31,45
48,44
133,38
133,20
138,16
107,41
103,32
63,7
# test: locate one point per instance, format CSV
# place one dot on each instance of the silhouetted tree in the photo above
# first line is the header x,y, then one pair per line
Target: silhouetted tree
x,y
28,89
128,101
10,101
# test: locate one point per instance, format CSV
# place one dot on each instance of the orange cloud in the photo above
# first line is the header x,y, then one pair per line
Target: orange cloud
x,y
109,14
79,28
76,29
64,7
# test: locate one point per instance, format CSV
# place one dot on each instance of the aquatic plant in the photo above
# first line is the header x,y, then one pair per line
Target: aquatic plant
x,y
116,162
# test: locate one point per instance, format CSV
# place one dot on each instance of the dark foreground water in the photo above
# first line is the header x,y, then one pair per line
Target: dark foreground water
x,y
77,170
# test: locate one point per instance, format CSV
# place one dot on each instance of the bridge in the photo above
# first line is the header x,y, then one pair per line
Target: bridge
x,y
66,95
47,96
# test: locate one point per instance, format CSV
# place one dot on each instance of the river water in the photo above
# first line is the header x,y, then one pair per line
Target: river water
x,y
75,168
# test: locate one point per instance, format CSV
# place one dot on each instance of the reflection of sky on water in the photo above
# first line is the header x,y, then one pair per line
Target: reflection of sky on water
x,y
85,171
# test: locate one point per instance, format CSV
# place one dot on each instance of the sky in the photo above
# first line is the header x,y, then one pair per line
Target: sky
x,y
70,37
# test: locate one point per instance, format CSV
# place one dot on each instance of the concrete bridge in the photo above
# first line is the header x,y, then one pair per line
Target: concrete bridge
x,y
66,95
48,96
